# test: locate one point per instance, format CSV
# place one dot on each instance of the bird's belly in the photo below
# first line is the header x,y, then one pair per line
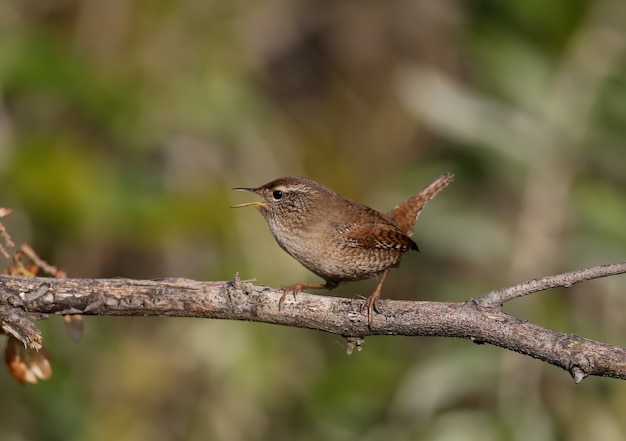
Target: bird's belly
x,y
363,264
324,257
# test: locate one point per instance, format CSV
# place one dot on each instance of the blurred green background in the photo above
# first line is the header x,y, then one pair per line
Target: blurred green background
x,y
123,125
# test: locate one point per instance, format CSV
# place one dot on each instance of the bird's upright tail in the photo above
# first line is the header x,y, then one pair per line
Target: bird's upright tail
x,y
405,213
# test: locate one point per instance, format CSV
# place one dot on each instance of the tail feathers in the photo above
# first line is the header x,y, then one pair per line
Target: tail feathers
x,y
405,213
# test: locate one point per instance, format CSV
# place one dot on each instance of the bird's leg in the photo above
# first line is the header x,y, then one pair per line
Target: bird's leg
x,y
299,287
371,303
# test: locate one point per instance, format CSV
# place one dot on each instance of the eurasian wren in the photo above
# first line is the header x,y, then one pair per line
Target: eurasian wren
x,y
337,238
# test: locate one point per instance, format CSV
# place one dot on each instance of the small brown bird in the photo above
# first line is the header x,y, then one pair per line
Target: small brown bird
x,y
337,238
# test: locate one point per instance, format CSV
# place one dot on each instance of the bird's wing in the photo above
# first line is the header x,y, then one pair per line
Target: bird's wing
x,y
377,235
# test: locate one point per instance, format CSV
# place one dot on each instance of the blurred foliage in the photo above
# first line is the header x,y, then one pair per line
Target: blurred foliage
x,y
124,124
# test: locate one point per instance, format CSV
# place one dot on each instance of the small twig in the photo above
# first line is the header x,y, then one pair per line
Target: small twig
x,y
40,263
4,234
497,297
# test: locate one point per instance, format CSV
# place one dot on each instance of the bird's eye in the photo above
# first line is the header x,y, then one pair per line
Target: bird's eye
x,y
277,194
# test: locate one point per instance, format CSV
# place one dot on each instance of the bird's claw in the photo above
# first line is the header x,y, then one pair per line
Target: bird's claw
x,y
370,304
293,289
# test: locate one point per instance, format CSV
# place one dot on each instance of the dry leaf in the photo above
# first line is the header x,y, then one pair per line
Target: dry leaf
x,y
27,365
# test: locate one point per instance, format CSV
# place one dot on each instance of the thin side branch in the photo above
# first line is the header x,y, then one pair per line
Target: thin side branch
x,y
500,296
480,321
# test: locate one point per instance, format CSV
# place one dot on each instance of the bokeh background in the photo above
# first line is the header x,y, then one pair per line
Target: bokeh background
x,y
123,125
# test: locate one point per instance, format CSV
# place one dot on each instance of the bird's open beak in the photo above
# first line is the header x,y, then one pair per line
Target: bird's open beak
x,y
248,204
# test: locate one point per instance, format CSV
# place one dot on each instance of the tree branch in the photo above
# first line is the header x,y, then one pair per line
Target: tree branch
x,y
479,320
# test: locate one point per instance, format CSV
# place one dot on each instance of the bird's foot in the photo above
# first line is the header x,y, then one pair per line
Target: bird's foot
x,y
371,305
297,288
293,289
